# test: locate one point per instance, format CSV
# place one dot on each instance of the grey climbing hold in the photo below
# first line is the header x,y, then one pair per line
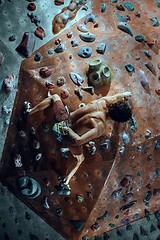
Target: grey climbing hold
x,y
121,18
103,7
130,68
129,6
59,48
139,38
155,21
82,28
88,37
148,54
85,52
125,27
101,48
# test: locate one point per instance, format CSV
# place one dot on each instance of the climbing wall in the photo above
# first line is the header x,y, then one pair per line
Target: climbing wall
x,y
119,183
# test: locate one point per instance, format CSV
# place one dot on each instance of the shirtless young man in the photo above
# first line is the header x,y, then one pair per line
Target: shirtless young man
x,y
85,123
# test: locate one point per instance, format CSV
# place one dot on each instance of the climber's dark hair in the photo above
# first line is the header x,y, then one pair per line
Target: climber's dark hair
x,y
120,111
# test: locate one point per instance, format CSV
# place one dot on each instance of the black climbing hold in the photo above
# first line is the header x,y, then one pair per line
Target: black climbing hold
x,y
129,68
112,225
135,236
59,212
136,216
37,57
157,214
59,48
33,237
148,54
139,38
12,38
119,233
157,147
147,215
130,204
104,216
143,232
27,216
120,7
85,238
152,228
148,196
125,220
128,227
158,172
78,225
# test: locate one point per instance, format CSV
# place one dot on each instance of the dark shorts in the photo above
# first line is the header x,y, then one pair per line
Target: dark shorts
x,y
62,115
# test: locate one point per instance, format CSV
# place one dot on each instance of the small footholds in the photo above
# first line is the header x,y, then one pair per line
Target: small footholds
x,y
59,48
34,18
91,147
138,14
125,138
103,7
69,35
136,216
12,38
9,83
47,182
155,21
59,212
104,216
112,225
128,227
143,232
58,2
106,144
45,203
119,233
148,54
120,7
64,152
64,94
18,161
127,197
89,89
125,220
148,133
40,32
151,67
90,195
116,194
37,57
157,147
79,198
74,43
95,226
139,148
78,92
148,196
121,150
126,181
49,85
152,228
139,38
157,172
45,72
61,81
101,48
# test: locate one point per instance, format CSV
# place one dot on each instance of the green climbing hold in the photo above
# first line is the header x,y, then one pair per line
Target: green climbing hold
x,y
129,6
